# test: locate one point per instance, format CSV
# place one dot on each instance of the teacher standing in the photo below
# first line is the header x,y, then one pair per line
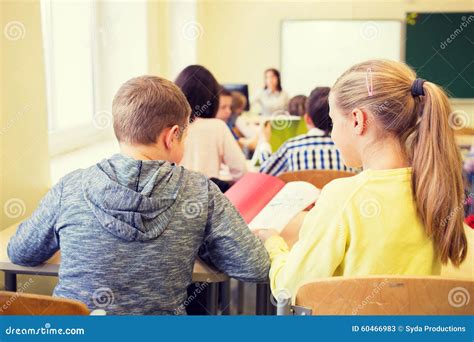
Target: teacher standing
x,y
272,98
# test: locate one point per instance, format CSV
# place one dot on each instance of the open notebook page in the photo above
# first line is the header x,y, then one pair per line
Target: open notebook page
x,y
293,198
253,192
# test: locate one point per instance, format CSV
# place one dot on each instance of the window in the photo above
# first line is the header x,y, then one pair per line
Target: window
x,y
90,49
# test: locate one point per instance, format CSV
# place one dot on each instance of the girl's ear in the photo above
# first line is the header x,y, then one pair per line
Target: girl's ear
x,y
359,121
170,135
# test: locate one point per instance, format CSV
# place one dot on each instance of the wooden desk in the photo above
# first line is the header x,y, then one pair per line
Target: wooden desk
x,y
201,272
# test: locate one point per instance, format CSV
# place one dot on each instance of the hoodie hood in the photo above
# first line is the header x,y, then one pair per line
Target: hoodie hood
x,y
133,199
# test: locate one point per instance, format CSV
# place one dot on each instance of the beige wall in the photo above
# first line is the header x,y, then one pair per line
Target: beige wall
x,y
158,38
242,38
24,156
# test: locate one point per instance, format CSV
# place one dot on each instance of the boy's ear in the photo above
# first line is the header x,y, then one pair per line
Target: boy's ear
x,y
307,119
171,134
359,121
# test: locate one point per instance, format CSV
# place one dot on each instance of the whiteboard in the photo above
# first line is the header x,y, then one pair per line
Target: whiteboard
x,y
315,53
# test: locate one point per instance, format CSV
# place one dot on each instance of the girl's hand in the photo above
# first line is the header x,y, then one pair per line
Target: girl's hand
x,y
265,234
291,232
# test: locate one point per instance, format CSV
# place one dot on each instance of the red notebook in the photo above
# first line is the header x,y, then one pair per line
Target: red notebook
x,y
267,202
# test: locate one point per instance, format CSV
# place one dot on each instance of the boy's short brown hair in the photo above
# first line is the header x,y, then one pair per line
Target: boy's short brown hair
x,y
297,105
144,106
317,107
238,101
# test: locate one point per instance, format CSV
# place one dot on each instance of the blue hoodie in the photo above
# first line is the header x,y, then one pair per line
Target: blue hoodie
x,y
129,233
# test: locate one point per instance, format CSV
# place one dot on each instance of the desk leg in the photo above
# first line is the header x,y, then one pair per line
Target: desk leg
x,y
10,281
212,297
271,308
240,298
225,297
262,299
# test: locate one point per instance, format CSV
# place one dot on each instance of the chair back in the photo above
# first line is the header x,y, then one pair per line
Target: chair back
x,y
388,295
19,303
319,178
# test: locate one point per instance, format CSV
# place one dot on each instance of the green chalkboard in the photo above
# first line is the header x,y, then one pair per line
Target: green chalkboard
x,y
440,47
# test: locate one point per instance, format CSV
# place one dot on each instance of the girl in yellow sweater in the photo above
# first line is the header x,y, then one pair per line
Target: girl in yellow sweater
x,y
403,213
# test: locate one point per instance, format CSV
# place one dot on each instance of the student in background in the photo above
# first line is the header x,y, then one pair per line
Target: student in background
x,y
263,149
210,144
131,226
245,129
224,112
239,102
272,99
401,215
314,150
297,105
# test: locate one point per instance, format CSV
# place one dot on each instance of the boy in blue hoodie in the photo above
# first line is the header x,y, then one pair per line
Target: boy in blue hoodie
x,y
131,227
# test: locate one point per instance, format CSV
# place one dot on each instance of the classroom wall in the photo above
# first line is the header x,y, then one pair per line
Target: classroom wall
x,y
173,31
121,48
240,39
24,159
157,24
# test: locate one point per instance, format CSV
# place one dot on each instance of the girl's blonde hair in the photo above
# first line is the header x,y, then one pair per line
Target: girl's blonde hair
x,y
421,124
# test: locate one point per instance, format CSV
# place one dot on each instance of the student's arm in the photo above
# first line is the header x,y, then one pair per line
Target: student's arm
x,y
276,163
264,151
233,156
36,239
318,253
229,243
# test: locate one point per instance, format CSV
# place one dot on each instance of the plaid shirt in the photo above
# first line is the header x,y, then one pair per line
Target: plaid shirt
x,y
311,151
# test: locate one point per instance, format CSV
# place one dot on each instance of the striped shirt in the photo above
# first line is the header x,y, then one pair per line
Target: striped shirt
x,y
310,151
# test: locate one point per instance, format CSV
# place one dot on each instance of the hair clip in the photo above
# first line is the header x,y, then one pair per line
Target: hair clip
x,y
368,82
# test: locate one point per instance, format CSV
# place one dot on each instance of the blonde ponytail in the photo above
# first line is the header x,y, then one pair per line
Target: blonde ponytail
x,y
421,124
437,179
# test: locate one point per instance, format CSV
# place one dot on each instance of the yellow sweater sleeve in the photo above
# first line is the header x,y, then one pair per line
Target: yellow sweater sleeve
x,y
318,252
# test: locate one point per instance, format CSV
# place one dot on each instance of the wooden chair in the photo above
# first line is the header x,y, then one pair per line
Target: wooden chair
x,y
383,295
319,178
18,303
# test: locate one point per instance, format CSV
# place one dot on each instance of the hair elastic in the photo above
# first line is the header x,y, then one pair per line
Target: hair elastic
x,y
417,87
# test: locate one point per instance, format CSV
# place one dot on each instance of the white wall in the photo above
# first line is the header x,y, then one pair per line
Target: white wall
x,y
335,46
184,32
122,51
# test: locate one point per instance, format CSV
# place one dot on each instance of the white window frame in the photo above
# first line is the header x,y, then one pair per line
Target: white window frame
x,y
65,140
